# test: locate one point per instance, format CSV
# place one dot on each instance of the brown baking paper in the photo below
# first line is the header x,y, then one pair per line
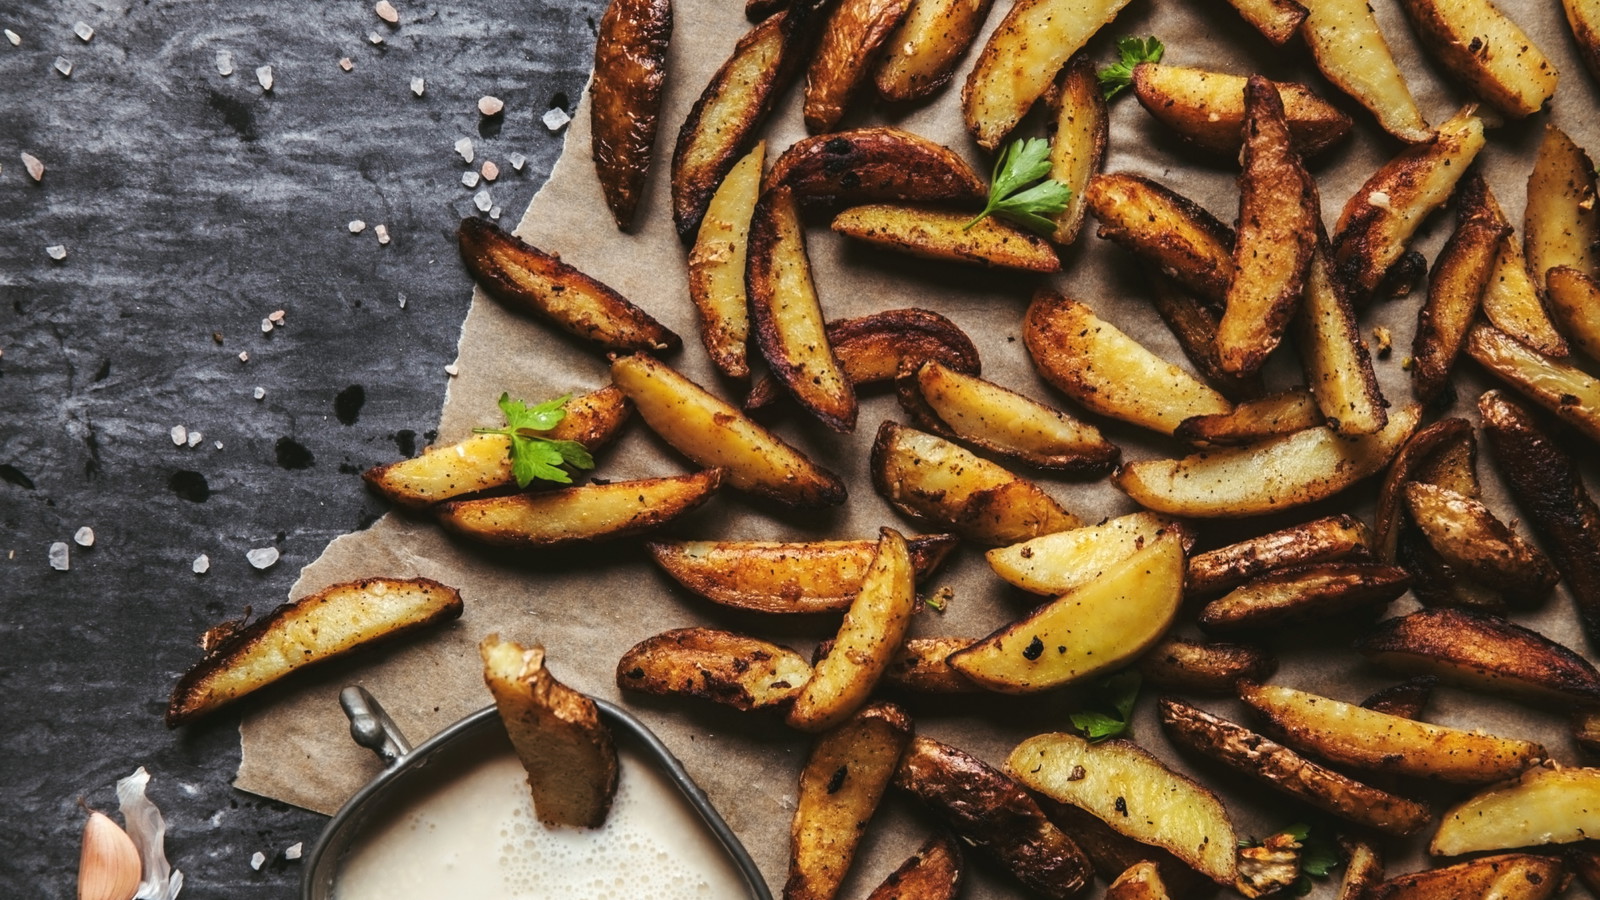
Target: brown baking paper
x,y
587,607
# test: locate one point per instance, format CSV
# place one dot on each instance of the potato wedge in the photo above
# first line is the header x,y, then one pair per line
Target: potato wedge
x,y
1094,629
1328,539
1569,392
942,234
1455,290
1194,323
932,873
1003,422
1484,652
1547,804
1134,793
334,621
1478,545
1078,135
1405,699
1478,44
1207,109
1185,241
1254,420
1286,771
1346,734
1277,20
1142,881
1349,48
1023,55
927,477
992,812
1094,363
630,70
920,666
717,266
1583,17
1363,867
1274,475
1054,564
566,750
872,630
1407,467
1333,356
720,666
785,577
923,54
1304,593
851,37
875,164
1574,304
1112,853
1204,667
578,515
526,278
1561,224
1511,302
708,430
844,778
1510,876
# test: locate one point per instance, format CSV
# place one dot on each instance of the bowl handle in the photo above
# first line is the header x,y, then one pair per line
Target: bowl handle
x,y
371,727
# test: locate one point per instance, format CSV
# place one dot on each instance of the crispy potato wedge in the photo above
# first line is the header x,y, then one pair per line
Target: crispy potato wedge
x,y
942,234
1574,304
1455,290
1560,225
1142,881
1023,55
932,873
1511,302
720,666
483,461
1135,794
1254,420
1484,652
1078,134
712,432
1569,392
1003,422
1328,539
1547,804
1347,734
1405,699
785,577
1204,667
1349,48
922,667
1510,876
872,630
1274,475
630,70
1363,867
1429,441
1194,323
1207,109
1153,222
927,477
1478,44
1478,545
844,778
1112,853
923,54
1583,17
1054,564
1096,628
1286,771
851,38
1304,593
1108,372
1277,20
1333,356
717,266
526,278
992,812
875,164
577,515
566,750
334,621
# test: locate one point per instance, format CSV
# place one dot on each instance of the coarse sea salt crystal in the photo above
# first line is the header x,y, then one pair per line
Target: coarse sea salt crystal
x,y
1380,199
382,231
470,178
482,201
224,63
490,105
14,38
34,165
555,118
490,170
386,11
346,63
402,301
180,435
258,860
517,160
494,213
262,557
260,392
374,37
84,537
418,86
83,31
294,850
63,65
277,316
264,76
201,564
195,438
57,251
244,356
357,226
452,370
217,444
464,147
266,325
60,556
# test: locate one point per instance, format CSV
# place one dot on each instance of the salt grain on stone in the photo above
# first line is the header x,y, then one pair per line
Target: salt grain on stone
x,y
264,76
374,37
57,252
382,231
60,556
14,38
469,178
258,860
217,444
266,325
490,170
402,301
262,557
260,392
490,106
201,564
494,213
417,86
83,31
386,11
180,435
34,166
555,118
277,316
346,64
482,201
244,356
516,160
294,850
195,438
452,370
464,147
224,63
84,537
63,65
357,226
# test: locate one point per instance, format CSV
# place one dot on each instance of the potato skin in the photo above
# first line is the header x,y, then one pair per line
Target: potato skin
x,y
1514,876
630,70
1329,539
875,164
850,40
1205,667
1304,593
927,48
1178,235
932,873
1207,109
731,669
1455,290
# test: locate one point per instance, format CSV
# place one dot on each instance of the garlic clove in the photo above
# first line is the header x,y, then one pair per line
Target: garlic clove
x,y
109,867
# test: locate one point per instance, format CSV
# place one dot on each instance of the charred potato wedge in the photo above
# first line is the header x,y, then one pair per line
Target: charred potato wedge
x,y
1162,227
1254,420
717,266
1349,48
577,515
1569,392
1405,699
1112,853
1509,876
1478,545
923,54
1054,564
876,348
1194,323
944,235
1574,301
849,45
630,70
1335,359
1429,441
1455,291
1078,135
330,623
1478,44
1304,593
932,873
1561,224
1277,20
1204,667
720,666
1329,539
1548,804
875,164
1207,109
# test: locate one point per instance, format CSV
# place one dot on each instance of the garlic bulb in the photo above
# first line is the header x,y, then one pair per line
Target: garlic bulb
x,y
109,866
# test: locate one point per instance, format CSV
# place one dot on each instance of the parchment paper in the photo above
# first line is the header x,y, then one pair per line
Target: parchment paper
x,y
587,607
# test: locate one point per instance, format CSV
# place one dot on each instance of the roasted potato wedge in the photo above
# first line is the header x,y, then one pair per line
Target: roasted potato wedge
x,y
875,164
1455,291
1194,323
780,577
1510,876
1142,881
1478,545
1328,539
851,38
577,515
1286,771
1134,793
1304,593
1254,420
1054,564
1277,20
927,477
1363,867
1511,302
566,750
1335,359
992,812
526,278
1078,135
1108,372
720,666
334,621
1574,303
1405,699
1207,109
712,432
1478,44
1349,735
840,786
717,266
1560,225
1273,475
1547,804
921,666
1112,853
932,873
1096,628
923,54
1583,16
630,70
1204,667
1569,392
942,234
1349,48
1185,241
1407,467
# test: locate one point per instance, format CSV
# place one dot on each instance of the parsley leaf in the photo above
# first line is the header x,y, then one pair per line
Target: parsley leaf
x,y
534,456
1022,163
1118,76
1117,692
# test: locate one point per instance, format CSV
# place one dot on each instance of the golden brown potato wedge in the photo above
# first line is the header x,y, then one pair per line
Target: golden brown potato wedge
x,y
844,778
1204,667
1510,876
1277,20
1569,392
1207,109
1561,224
1003,422
1455,290
1328,539
854,32
875,164
1142,881
1333,356
927,477
1548,804
923,54
1273,475
1194,323
529,279
1574,301
1478,545
1054,564
932,873
330,623
712,432
720,666
717,266
1583,17
1094,629
1349,48
1409,463
566,750
1349,735
779,577
1304,593
577,515
1171,231
630,70
1511,302
1108,372
1363,867
1254,420
1134,793
922,667
993,813
1286,771
1484,652
942,234
1478,44
1078,134
872,630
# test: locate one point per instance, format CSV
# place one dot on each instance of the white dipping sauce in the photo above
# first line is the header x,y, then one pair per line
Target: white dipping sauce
x,y
472,832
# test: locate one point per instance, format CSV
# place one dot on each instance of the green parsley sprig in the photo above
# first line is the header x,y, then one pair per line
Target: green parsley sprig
x,y
1022,163
1116,693
534,456
1118,76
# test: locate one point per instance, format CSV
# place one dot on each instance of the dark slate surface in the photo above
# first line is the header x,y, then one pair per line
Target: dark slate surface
x,y
192,206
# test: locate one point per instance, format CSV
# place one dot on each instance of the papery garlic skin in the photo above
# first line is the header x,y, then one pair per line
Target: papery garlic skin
x,y
108,867
149,832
